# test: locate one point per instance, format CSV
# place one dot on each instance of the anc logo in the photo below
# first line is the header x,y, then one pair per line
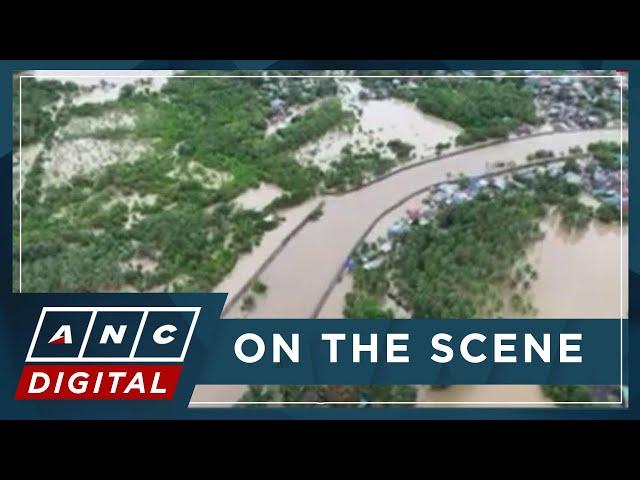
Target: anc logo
x,y
98,353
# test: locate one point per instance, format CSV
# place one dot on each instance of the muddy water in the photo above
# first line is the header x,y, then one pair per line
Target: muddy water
x,y
301,273
258,198
480,395
216,393
382,121
248,264
334,306
581,275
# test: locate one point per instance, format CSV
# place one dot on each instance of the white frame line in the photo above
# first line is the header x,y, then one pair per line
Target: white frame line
x,y
87,334
400,403
620,76
136,341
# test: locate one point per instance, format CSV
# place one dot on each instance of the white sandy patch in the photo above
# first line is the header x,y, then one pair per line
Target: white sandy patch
x,y
83,155
208,177
88,126
144,264
133,202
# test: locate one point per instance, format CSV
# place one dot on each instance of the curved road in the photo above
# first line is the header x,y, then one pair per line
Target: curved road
x,y
300,274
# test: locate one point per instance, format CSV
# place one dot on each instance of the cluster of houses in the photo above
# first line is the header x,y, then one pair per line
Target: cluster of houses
x,y
609,186
279,110
601,183
568,103
448,193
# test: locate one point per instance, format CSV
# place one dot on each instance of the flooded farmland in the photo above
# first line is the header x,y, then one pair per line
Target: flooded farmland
x,y
382,121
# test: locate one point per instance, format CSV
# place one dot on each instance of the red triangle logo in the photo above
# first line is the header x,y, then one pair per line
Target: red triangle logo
x,y
62,336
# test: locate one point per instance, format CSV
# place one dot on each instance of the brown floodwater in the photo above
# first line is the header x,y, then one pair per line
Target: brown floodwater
x,y
379,122
484,396
300,274
583,275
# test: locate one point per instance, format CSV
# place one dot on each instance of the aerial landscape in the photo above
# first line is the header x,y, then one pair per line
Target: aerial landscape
x,y
386,194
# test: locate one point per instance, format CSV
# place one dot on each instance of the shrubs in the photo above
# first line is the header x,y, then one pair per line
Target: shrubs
x,y
400,149
248,303
567,393
259,287
608,213
575,215
608,154
354,169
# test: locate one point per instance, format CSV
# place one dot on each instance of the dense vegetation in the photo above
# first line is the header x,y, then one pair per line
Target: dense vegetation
x,y
166,220
354,169
469,261
567,393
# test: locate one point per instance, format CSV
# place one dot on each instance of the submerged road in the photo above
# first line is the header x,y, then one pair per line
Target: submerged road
x,y
299,275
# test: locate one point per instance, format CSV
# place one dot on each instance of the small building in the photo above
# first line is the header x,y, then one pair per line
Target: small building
x,y
398,228
449,188
460,197
413,214
373,264
573,178
277,105
500,183
386,247
428,212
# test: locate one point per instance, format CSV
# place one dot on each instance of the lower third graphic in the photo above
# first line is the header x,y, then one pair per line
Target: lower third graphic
x,y
107,353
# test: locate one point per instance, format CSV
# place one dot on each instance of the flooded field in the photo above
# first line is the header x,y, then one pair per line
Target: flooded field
x,y
581,275
258,198
380,121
